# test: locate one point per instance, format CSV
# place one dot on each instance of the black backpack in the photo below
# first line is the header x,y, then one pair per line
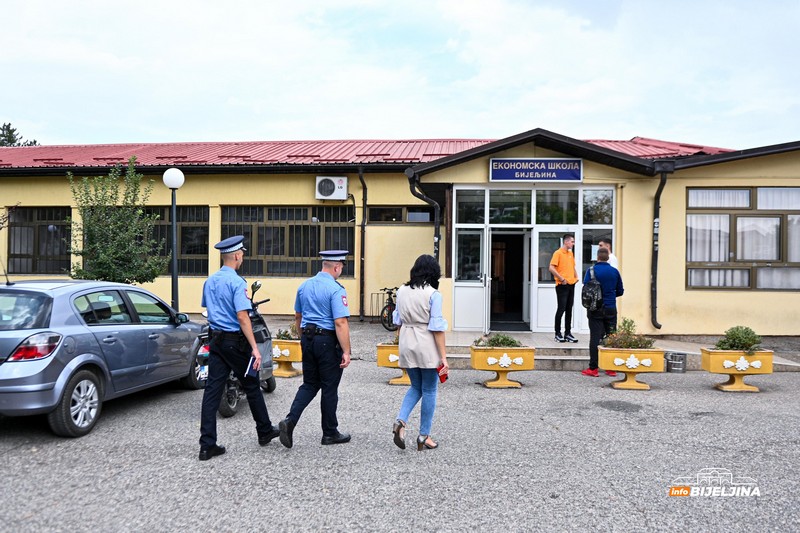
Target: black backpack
x,y
592,293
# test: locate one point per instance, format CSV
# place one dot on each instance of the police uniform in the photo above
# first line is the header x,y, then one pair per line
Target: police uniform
x,y
225,294
320,300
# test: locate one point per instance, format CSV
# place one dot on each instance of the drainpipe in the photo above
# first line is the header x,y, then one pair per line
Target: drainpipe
x,y
361,281
413,184
664,167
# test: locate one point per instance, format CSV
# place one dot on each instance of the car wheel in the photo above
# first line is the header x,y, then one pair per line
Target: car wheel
x,y
230,399
197,377
269,384
79,408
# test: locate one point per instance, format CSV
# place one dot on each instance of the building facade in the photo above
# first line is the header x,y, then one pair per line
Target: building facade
x,y
707,238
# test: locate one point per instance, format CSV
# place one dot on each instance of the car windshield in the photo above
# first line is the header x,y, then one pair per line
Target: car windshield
x,y
24,310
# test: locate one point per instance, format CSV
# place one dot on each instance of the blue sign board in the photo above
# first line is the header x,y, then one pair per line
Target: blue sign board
x,y
535,169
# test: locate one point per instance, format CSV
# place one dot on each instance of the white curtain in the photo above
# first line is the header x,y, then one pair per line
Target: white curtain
x,y
758,238
794,238
728,277
719,198
784,198
778,278
707,238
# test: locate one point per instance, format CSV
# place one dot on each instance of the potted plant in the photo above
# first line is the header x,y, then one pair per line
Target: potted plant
x,y
630,353
285,351
737,355
501,354
389,356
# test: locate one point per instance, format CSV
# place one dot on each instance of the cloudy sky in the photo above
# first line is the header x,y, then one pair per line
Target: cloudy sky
x,y
714,72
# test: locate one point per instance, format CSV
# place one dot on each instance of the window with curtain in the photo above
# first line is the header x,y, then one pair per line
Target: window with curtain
x,y
753,244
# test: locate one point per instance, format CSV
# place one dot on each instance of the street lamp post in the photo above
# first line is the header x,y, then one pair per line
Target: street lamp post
x,y
173,179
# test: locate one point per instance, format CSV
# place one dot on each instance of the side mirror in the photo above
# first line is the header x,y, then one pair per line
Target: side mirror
x,y
181,318
254,288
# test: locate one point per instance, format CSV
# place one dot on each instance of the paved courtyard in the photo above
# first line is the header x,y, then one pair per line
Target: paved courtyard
x,y
564,453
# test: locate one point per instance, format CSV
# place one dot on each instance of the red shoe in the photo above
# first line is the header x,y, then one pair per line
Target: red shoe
x,y
610,373
591,373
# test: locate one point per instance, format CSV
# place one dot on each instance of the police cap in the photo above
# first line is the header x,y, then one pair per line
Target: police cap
x,y
231,244
334,255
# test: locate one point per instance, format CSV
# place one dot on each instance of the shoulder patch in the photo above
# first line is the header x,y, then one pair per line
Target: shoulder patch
x,y
344,300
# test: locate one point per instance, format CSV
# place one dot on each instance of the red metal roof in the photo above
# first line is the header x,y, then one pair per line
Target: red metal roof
x,y
293,152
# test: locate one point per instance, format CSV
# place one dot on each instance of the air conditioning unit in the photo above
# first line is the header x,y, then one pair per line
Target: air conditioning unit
x,y
331,188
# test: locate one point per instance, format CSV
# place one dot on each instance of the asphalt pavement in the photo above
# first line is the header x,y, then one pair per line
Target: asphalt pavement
x,y
564,453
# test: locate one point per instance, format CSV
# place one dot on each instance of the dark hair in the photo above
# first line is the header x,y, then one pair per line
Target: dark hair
x,y
426,270
567,236
602,254
605,240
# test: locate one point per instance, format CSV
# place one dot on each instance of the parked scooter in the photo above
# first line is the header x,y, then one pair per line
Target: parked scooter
x,y
234,393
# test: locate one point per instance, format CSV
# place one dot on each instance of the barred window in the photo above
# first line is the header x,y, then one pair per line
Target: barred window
x,y
285,241
192,238
38,240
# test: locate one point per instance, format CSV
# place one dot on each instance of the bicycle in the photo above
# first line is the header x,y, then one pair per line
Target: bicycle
x,y
388,309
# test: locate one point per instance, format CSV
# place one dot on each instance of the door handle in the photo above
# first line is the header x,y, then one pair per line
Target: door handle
x,y
110,340
153,336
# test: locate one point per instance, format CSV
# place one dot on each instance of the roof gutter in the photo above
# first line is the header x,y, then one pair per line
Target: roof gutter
x,y
413,184
664,167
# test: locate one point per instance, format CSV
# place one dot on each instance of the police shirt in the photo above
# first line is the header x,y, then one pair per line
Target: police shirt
x,y
321,300
224,294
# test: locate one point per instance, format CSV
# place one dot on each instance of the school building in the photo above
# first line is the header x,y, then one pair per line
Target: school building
x,y
707,238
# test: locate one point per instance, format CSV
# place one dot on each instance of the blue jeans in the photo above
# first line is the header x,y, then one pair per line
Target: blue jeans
x,y
425,385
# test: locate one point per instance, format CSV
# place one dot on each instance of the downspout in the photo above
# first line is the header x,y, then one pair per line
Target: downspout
x,y
413,184
664,167
361,281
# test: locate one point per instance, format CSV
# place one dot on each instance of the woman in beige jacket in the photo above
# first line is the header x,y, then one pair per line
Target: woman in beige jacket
x,y
422,347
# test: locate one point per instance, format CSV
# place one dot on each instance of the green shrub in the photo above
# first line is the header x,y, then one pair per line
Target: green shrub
x,y
497,340
739,338
287,335
625,337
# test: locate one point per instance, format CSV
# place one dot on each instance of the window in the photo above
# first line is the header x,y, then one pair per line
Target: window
x,y
556,207
470,207
285,241
745,238
103,307
192,238
150,310
396,215
38,240
509,207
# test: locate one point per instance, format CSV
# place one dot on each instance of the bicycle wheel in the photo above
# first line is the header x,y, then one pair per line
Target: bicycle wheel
x,y
386,317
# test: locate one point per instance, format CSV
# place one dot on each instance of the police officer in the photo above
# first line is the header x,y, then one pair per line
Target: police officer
x,y
231,346
321,314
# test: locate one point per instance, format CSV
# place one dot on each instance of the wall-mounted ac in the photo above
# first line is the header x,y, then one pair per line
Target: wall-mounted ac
x,y
331,188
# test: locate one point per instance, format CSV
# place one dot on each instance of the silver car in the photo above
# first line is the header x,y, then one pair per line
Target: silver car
x,y
67,346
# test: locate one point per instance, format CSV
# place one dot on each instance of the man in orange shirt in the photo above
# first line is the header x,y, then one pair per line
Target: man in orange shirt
x,y
562,266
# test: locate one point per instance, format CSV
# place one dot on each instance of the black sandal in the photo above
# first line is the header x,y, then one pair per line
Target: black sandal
x,y
399,440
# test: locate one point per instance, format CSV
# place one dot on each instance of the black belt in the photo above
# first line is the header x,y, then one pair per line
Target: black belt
x,y
319,331
230,335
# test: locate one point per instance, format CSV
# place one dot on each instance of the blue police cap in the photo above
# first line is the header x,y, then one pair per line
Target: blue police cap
x,y
334,255
231,244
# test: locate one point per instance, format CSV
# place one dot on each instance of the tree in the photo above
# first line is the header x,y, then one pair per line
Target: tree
x,y
115,235
9,137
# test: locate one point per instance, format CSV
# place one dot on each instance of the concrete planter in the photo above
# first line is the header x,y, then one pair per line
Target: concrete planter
x,y
285,353
501,361
388,356
630,362
737,365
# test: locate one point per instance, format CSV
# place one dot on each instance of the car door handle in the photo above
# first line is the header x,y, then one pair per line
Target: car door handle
x,y
110,340
153,336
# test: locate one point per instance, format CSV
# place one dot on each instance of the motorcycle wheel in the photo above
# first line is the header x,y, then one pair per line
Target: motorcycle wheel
x,y
230,399
268,385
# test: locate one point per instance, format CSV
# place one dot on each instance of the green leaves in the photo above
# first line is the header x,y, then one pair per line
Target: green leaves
x,y
739,338
114,236
497,340
626,338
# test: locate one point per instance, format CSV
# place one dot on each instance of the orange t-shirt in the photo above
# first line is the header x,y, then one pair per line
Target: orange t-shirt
x,y
564,261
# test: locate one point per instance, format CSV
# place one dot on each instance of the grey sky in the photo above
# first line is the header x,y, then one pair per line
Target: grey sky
x,y
721,73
